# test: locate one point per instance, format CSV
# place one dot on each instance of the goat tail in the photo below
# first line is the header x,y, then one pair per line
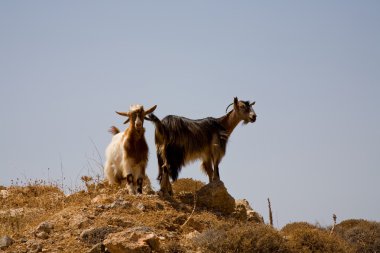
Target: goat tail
x,y
114,130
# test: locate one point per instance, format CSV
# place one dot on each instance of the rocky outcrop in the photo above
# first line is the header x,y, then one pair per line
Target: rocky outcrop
x,y
214,196
133,240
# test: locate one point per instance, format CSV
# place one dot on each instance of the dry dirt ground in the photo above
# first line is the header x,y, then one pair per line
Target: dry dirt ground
x,y
41,218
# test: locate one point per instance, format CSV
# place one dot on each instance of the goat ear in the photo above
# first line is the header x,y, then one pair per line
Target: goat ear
x,y
236,101
147,118
123,113
150,110
125,122
253,103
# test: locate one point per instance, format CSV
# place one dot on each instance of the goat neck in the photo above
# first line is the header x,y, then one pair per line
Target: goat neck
x,y
230,121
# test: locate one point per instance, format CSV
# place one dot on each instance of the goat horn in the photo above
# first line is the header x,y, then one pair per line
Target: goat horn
x,y
150,110
252,103
123,113
229,106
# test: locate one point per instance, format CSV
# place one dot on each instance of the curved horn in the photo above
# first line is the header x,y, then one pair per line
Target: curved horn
x,y
252,103
149,111
229,106
123,113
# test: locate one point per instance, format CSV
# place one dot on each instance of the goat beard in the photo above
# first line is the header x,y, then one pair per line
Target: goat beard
x,y
140,131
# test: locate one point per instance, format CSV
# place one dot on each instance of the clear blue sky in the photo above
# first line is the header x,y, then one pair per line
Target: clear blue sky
x,y
313,68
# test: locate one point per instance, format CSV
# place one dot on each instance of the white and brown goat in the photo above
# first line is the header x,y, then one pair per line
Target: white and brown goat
x,y
127,154
180,140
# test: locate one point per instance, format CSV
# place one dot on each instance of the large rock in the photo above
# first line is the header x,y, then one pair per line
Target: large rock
x,y
214,196
133,240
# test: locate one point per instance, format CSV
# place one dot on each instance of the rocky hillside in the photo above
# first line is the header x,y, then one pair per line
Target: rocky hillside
x,y
199,218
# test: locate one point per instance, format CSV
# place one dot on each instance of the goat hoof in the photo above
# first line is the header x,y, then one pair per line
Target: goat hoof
x,y
164,193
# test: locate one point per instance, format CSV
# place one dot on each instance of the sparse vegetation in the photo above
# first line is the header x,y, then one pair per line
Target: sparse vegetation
x,y
305,238
363,235
105,209
242,238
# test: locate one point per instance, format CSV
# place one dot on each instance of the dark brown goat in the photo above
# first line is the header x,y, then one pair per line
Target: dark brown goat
x,y
180,140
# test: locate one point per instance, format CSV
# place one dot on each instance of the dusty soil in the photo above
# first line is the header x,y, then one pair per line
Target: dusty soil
x,y
41,218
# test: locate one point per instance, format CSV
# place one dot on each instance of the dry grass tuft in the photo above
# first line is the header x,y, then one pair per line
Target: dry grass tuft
x,y
25,206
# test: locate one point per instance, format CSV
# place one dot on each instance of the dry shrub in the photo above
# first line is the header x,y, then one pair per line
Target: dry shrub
x,y
45,196
242,238
187,185
306,238
363,235
173,247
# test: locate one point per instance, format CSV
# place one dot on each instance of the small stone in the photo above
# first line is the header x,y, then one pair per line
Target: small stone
x,y
119,203
255,217
45,227
240,213
119,222
251,215
5,242
153,241
35,247
159,206
16,212
133,240
80,221
96,235
42,235
4,193
192,235
101,207
101,198
140,206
